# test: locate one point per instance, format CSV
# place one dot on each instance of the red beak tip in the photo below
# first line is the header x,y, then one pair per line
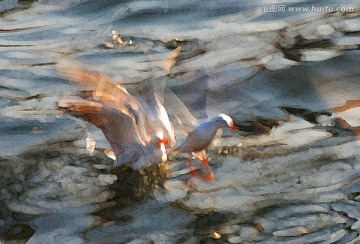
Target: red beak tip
x,y
233,127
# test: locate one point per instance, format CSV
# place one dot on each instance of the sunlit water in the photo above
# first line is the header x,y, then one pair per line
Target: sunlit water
x,y
289,80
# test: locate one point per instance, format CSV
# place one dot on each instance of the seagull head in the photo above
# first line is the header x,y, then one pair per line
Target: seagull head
x,y
223,121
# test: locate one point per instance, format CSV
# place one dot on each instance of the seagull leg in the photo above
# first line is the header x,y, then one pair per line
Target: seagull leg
x,y
203,157
193,171
210,174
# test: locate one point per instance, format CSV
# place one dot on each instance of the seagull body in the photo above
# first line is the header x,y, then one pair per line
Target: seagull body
x,y
202,135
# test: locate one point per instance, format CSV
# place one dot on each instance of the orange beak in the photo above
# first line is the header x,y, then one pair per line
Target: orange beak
x,y
162,141
233,127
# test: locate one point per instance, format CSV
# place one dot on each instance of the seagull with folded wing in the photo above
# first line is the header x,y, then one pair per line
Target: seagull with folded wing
x,y
200,135
200,138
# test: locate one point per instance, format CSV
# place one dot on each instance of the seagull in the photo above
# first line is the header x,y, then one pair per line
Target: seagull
x,y
200,135
139,130
200,138
138,135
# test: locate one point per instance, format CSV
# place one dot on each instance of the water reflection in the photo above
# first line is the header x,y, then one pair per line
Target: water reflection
x,y
290,82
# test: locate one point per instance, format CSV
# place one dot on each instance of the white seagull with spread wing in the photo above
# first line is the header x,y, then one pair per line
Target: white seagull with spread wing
x,y
138,130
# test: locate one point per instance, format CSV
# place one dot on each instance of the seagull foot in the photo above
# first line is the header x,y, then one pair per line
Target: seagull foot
x,y
210,176
205,161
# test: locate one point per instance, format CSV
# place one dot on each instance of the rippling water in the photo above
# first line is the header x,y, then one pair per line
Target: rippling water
x,y
289,79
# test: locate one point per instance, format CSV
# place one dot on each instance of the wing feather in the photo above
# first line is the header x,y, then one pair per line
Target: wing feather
x,y
118,126
102,89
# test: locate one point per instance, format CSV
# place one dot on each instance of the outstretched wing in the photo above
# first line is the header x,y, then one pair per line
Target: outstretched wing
x,y
117,125
158,114
101,88
181,113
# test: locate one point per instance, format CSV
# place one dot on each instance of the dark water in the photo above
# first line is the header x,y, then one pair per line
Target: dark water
x,y
289,79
